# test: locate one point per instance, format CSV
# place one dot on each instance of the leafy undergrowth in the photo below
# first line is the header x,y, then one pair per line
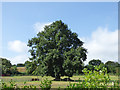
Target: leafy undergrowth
x,y
95,79
92,79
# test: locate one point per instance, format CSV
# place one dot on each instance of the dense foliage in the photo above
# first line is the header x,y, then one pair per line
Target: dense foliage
x,y
20,65
95,62
7,68
96,79
6,65
113,67
56,51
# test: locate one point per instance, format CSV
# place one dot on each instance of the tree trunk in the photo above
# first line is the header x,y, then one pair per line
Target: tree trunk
x,y
57,78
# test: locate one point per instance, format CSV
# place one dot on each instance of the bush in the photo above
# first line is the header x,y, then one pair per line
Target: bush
x,y
93,79
12,85
46,84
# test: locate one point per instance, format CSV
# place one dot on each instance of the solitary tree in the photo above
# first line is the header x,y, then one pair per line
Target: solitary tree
x,y
57,51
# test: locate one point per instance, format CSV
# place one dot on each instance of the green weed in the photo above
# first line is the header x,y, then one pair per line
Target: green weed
x,y
46,84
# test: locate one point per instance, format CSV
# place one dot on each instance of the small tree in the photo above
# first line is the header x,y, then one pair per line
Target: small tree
x,y
13,70
6,65
93,63
8,68
57,51
111,66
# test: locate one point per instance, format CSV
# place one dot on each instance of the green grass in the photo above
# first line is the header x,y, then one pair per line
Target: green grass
x,y
55,84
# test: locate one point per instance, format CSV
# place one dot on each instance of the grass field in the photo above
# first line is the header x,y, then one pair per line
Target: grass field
x,y
55,84
21,69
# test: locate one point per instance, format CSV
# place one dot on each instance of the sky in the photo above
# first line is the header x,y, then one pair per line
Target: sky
x,y
96,24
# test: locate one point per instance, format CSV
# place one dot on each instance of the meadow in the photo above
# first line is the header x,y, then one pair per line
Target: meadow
x,y
19,80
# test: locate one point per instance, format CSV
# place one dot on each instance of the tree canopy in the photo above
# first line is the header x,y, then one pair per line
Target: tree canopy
x,y
20,65
6,65
111,66
56,51
7,68
95,62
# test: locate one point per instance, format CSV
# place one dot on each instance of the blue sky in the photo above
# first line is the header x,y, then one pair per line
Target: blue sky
x,y
95,23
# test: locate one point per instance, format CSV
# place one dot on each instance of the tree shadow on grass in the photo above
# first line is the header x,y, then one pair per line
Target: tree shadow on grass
x,y
68,79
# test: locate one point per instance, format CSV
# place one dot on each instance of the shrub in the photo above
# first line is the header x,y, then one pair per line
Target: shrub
x,y
97,78
46,84
27,87
12,85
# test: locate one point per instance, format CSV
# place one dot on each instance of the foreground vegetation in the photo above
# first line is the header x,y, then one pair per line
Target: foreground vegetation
x,y
19,80
96,79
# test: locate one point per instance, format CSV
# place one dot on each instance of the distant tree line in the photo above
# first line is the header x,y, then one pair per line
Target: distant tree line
x,y
112,67
8,69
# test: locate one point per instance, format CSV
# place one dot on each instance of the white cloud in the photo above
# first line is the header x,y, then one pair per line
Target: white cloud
x,y
38,27
19,59
17,46
103,45
22,51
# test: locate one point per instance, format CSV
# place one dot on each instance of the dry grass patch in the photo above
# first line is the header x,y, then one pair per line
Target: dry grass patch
x,y
21,69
